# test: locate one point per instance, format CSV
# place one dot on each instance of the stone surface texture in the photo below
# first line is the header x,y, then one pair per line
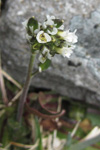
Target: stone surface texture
x,y
77,77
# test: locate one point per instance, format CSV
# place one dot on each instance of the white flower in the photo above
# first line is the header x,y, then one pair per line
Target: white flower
x,y
69,36
53,32
61,27
56,143
24,23
44,25
46,52
65,51
42,59
40,69
43,37
50,17
49,21
28,37
45,55
36,30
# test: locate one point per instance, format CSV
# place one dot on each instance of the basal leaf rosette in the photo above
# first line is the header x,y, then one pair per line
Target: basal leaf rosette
x,y
49,38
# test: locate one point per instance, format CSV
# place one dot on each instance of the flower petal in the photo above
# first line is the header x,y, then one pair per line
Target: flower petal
x,y
61,27
40,69
65,52
31,29
69,36
24,23
28,37
53,32
43,37
37,30
47,37
42,59
50,17
46,52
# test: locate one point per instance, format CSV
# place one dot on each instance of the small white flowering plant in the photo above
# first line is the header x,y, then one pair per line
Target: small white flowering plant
x,y
47,38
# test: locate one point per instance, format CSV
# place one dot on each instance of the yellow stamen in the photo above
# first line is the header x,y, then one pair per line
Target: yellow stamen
x,y
42,37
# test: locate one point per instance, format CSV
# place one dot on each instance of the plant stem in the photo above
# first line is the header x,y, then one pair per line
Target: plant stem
x,y
25,89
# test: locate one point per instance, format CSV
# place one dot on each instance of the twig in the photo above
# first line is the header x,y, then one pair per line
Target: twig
x,y
41,97
38,113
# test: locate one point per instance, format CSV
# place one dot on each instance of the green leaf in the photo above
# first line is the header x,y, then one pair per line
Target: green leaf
x,y
58,22
9,110
2,121
61,135
35,46
91,148
69,140
84,144
32,23
6,136
2,112
77,112
94,118
38,133
15,129
45,65
12,123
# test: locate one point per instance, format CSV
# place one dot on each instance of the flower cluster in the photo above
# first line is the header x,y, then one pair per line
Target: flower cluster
x,y
49,38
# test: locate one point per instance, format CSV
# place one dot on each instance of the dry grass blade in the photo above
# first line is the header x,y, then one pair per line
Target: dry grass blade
x,y
95,132
76,128
2,106
11,79
92,138
15,98
20,145
34,146
57,120
6,148
31,122
2,86
30,147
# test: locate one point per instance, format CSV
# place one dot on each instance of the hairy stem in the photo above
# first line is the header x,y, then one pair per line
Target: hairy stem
x,y
25,89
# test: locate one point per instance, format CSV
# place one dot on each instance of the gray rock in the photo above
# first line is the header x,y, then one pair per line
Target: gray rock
x,y
77,77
